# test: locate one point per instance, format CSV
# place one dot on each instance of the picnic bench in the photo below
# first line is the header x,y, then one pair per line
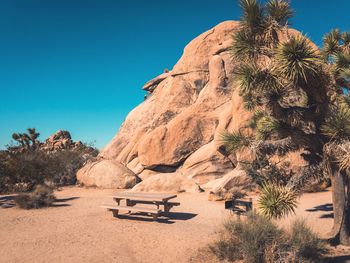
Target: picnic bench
x,y
160,202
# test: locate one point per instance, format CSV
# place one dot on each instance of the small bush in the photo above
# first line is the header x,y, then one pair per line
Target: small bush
x,y
247,239
258,240
42,196
305,244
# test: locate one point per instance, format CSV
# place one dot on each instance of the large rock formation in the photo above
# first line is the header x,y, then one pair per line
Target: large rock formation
x,y
176,130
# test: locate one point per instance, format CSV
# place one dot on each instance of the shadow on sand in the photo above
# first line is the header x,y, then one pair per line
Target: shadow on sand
x,y
170,219
58,201
9,201
61,200
326,208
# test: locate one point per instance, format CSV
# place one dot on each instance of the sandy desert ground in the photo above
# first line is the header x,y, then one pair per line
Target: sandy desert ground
x,y
76,229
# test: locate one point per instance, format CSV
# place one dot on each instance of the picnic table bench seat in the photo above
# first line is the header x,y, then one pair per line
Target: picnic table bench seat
x,y
115,209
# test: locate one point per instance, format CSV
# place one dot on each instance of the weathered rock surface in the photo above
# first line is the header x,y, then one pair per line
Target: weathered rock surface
x,y
236,178
171,140
187,108
206,164
107,174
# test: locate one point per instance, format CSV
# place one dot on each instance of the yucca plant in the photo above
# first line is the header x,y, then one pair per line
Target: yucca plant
x,y
277,201
279,11
297,60
266,126
253,14
258,114
235,141
269,71
337,125
346,41
245,45
270,75
250,103
245,76
331,44
336,129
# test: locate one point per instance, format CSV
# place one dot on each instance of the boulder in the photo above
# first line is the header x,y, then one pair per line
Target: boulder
x,y
60,135
167,182
146,173
206,164
107,174
135,166
236,180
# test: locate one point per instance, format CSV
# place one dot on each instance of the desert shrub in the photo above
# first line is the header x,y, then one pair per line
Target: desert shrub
x,y
247,239
305,244
42,196
64,165
23,170
28,168
258,240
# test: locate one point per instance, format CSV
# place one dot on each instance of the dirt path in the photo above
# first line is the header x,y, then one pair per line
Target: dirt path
x,y
78,230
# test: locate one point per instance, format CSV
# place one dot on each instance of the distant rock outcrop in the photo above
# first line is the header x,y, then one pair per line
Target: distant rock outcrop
x,y
60,140
176,130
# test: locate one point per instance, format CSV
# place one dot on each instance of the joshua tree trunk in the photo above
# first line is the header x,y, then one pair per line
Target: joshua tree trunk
x,y
341,194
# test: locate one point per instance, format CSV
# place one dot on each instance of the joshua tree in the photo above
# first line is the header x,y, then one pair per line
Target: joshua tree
x,y
336,129
291,89
18,138
27,140
33,136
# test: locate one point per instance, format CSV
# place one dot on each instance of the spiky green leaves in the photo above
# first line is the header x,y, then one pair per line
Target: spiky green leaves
x,y
235,141
245,76
346,41
331,44
253,14
342,61
266,126
337,125
251,78
257,17
297,60
259,28
335,43
336,50
277,201
245,45
280,11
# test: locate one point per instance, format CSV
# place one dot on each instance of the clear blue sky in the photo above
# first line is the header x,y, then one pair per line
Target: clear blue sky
x,y
79,65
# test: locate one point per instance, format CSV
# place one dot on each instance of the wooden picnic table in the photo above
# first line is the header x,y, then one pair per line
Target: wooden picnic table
x,y
134,198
